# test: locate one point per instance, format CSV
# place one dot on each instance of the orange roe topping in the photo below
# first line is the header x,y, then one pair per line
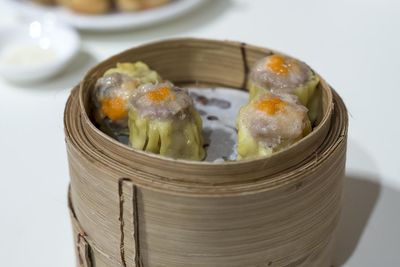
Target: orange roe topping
x,y
159,95
277,64
271,105
114,108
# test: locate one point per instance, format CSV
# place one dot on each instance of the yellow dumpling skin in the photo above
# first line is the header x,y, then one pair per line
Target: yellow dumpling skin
x,y
138,70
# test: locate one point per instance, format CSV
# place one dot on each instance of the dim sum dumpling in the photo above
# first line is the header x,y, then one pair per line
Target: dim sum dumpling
x,y
113,91
281,74
270,123
162,120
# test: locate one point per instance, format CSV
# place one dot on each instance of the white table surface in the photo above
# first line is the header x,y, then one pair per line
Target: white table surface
x,y
354,44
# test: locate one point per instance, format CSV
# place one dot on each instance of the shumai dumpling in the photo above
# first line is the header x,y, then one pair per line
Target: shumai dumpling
x,y
162,120
270,123
113,91
281,74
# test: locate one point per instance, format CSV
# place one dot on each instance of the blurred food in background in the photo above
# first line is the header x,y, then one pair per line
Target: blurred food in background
x,y
45,2
104,6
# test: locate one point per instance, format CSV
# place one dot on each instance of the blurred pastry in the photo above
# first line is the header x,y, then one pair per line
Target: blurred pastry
x,y
88,6
45,2
154,3
134,5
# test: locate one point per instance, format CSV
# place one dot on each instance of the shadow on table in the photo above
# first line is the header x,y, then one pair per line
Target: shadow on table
x,y
360,197
199,17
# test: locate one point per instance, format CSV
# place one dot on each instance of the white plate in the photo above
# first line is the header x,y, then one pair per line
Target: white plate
x,y
112,21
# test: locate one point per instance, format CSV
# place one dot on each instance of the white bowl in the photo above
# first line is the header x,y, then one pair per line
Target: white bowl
x,y
36,51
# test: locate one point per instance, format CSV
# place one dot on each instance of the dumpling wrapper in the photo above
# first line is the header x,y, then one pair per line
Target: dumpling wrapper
x,y
270,123
163,121
138,70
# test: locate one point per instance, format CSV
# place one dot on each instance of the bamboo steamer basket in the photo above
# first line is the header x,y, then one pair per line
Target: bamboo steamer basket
x,y
131,208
